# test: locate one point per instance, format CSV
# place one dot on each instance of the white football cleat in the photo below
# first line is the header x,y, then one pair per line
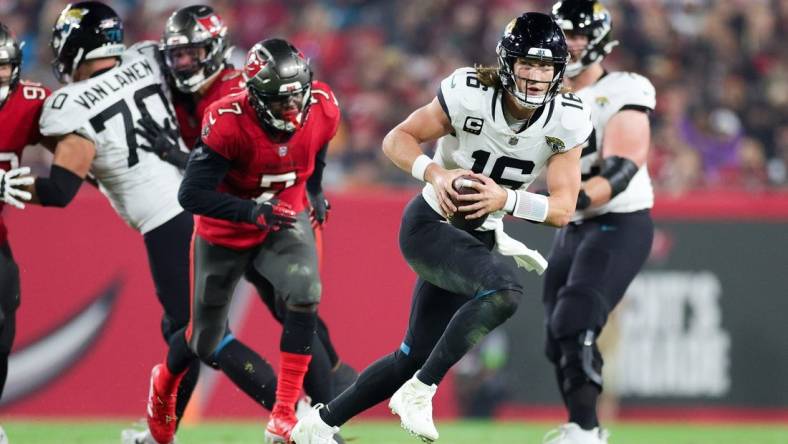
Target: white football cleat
x,y
413,403
311,429
137,436
303,406
3,436
571,433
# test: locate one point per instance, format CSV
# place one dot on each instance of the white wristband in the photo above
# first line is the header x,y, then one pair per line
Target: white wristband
x,y
531,206
511,200
420,166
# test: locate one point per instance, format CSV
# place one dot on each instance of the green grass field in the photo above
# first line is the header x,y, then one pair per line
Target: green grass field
x,y
64,432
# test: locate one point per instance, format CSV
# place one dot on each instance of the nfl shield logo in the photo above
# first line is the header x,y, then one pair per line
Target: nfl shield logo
x,y
283,151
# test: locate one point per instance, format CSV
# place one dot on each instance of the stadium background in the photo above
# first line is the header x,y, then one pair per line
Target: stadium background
x,y
701,335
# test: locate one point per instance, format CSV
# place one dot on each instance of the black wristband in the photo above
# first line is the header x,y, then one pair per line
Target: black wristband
x,y
59,188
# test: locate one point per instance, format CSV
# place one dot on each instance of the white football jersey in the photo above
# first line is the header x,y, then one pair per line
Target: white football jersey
x,y
610,94
142,188
484,143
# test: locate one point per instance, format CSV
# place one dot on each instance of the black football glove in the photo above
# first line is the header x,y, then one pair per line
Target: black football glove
x,y
583,200
161,140
320,207
273,215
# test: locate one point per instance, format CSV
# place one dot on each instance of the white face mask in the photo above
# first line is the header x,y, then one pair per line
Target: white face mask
x,y
4,91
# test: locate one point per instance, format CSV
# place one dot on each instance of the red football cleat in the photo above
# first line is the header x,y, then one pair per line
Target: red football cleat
x,y
161,404
280,425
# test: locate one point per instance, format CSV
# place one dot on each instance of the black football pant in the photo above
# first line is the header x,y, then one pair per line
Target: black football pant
x,y
284,266
464,290
590,267
168,248
9,302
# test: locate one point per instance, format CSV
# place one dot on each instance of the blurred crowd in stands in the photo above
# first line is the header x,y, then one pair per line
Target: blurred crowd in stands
x,y
719,67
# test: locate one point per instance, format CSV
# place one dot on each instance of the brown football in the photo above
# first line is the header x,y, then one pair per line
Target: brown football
x,y
458,219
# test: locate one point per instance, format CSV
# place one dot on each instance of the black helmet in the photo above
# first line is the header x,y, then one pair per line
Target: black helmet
x,y
589,18
85,31
532,36
10,53
190,29
275,73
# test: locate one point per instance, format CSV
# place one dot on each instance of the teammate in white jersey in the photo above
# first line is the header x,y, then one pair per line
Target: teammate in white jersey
x,y
110,88
509,123
596,257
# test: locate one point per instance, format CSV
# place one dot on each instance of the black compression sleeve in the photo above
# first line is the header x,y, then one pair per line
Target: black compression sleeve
x,y
315,182
59,188
618,171
198,194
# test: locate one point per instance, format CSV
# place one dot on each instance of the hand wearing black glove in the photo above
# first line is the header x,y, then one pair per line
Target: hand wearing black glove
x,y
161,140
320,207
273,215
583,200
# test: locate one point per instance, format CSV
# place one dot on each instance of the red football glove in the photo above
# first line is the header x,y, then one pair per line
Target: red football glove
x,y
273,215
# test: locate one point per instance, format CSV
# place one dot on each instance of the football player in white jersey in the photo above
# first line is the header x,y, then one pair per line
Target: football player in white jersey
x,y
509,123
596,257
109,88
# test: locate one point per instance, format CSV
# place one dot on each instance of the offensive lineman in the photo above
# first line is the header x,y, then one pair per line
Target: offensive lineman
x,y
20,107
247,181
93,120
596,256
508,124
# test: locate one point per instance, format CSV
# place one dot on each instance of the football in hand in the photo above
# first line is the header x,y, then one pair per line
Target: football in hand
x,y
458,219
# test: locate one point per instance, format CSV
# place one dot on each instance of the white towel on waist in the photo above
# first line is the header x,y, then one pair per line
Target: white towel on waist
x,y
525,257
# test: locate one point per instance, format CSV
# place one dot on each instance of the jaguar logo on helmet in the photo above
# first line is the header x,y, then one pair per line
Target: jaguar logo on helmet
x,y
85,31
71,17
67,22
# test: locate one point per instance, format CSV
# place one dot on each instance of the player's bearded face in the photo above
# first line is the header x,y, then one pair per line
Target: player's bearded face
x,y
577,44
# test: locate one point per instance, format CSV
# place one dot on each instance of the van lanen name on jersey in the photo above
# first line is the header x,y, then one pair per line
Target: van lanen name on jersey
x,y
123,76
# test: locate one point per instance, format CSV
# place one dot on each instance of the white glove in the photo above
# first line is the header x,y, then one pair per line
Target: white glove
x,y
10,181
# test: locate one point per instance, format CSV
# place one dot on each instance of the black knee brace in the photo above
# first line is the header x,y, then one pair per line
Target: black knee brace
x,y
580,361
